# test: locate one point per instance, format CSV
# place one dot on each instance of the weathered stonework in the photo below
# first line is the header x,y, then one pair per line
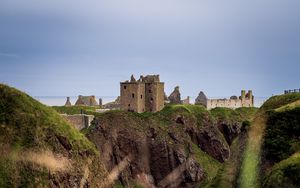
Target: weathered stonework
x,y
245,100
79,121
145,94
186,101
68,102
86,101
201,99
175,97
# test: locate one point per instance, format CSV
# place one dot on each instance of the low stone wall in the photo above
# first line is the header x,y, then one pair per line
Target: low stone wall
x,y
79,121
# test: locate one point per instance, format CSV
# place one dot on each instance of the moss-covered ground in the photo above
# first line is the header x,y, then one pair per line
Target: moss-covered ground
x,y
71,110
250,175
27,125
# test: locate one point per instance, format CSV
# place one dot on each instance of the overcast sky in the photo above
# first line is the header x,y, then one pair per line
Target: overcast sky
x,y
72,47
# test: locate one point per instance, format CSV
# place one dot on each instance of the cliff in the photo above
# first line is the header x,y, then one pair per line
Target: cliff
x,y
180,146
40,149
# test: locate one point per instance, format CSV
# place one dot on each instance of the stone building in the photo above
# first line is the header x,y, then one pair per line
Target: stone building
x,y
175,96
86,101
79,121
68,102
201,99
245,100
145,94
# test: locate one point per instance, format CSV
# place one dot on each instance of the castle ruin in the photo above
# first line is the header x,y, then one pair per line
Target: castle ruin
x,y
245,100
86,101
145,94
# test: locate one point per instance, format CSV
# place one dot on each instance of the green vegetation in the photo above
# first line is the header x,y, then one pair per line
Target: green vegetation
x,y
289,106
208,163
282,134
252,156
29,126
197,112
71,110
284,174
279,101
233,116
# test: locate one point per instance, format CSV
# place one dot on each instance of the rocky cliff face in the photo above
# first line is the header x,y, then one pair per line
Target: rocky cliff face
x,y
161,150
40,149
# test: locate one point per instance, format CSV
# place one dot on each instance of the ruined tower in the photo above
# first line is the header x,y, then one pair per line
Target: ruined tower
x,y
145,94
68,102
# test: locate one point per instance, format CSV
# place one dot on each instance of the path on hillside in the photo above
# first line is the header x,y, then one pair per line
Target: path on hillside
x,y
231,168
250,166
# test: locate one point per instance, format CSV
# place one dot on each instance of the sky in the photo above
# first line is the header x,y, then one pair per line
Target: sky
x,y
72,47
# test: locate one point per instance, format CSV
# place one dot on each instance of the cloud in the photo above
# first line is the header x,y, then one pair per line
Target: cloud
x,y
206,41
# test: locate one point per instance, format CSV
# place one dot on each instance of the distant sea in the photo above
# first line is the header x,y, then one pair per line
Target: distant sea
x,y
61,100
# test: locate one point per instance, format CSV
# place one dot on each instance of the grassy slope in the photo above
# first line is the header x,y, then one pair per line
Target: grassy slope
x,y
233,116
249,175
227,175
76,109
285,173
27,125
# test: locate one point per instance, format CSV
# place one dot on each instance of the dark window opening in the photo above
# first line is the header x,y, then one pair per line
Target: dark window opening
x,y
132,95
128,104
125,87
151,99
150,91
141,96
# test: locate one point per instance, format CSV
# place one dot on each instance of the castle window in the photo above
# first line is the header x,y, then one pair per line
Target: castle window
x,y
141,96
151,99
132,95
129,105
150,91
124,87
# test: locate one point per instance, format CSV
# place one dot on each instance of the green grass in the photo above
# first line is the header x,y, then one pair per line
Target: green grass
x,y
27,125
249,175
210,165
282,134
279,101
284,174
71,110
289,106
233,116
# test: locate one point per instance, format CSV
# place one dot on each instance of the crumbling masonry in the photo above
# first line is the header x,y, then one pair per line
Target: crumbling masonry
x,y
145,94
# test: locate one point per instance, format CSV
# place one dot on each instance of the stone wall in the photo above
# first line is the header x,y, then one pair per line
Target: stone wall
x,y
228,103
146,94
155,98
133,96
245,100
79,121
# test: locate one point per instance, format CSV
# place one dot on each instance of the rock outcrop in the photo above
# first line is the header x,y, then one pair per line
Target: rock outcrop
x,y
155,155
154,160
